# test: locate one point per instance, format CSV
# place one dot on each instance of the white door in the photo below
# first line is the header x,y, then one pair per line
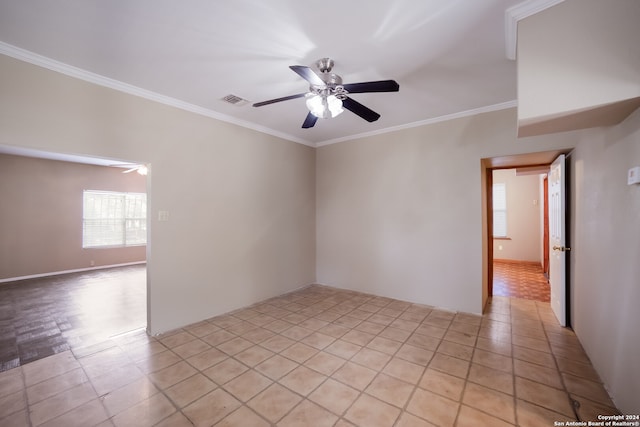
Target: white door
x,y
557,239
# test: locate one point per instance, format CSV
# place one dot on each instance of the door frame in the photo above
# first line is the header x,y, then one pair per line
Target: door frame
x,y
545,227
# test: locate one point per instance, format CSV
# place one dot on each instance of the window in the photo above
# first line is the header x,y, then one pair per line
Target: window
x,y
499,210
113,219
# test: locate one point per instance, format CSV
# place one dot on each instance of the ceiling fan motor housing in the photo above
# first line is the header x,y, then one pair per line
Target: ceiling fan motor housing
x,y
332,81
325,65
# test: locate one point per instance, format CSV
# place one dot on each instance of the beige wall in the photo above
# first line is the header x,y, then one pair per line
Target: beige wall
x,y
402,214
41,215
579,67
523,217
241,204
577,57
605,254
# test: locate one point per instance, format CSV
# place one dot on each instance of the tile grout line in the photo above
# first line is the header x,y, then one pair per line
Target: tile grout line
x,y
23,376
520,314
513,369
572,403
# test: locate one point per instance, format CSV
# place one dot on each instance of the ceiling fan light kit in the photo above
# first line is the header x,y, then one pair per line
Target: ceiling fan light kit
x,y
323,106
141,169
328,97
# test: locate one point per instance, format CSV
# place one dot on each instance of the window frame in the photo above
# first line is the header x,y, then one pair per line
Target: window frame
x,y
499,198
117,215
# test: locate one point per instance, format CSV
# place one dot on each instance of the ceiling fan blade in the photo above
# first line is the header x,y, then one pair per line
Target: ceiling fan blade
x,y
359,109
131,170
377,86
308,74
284,98
309,121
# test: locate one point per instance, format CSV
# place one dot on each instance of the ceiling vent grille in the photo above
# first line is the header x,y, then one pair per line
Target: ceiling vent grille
x,y
235,100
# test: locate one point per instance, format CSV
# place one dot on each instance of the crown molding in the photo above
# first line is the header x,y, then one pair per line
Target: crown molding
x,y
517,13
88,76
75,72
467,113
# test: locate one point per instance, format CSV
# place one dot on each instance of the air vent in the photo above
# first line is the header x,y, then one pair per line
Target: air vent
x,y
235,100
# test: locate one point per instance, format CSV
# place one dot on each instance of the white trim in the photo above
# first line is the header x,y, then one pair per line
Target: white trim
x,y
63,157
473,112
77,270
515,14
88,76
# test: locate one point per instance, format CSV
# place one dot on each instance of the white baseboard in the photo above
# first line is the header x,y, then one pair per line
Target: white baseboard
x,y
77,270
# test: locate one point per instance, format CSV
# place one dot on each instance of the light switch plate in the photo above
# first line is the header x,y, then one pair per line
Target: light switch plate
x,y
633,176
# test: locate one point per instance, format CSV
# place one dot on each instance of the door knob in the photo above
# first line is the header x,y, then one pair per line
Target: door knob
x,y
561,248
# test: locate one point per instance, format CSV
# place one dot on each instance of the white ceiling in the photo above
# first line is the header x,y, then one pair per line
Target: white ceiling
x,y
448,56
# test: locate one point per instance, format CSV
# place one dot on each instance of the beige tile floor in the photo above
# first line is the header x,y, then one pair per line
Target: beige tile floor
x,y
321,357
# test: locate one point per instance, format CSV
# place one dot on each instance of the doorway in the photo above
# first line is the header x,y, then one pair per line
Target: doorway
x,y
57,293
517,234
527,163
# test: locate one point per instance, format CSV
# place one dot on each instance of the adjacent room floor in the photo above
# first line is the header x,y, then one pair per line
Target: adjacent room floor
x,y
520,280
45,316
321,357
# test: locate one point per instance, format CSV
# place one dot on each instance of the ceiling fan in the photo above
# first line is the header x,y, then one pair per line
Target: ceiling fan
x,y
132,167
327,95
